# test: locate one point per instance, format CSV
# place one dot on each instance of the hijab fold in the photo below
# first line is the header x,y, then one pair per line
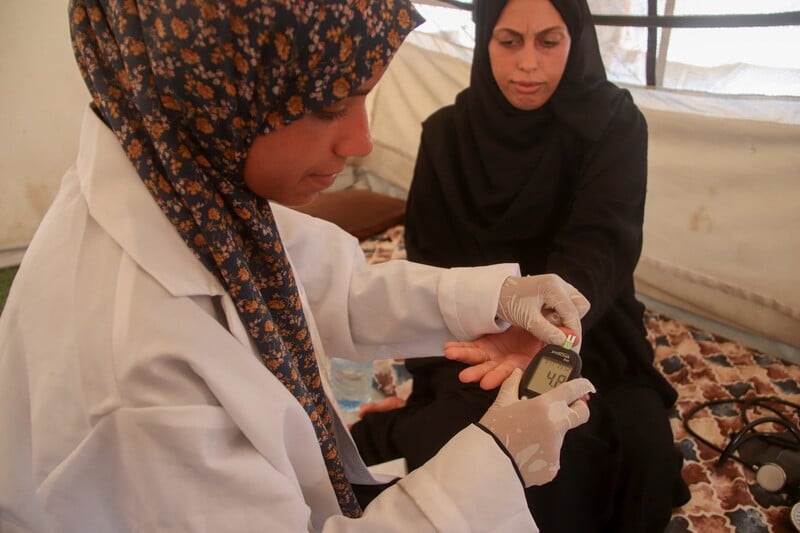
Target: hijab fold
x,y
186,87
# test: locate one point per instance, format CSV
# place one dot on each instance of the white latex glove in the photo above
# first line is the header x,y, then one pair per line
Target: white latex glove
x,y
532,430
523,301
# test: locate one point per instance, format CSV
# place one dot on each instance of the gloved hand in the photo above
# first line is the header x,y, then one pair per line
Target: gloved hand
x,y
524,300
532,430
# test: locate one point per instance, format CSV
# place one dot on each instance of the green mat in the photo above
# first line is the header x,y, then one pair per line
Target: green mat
x,y
6,276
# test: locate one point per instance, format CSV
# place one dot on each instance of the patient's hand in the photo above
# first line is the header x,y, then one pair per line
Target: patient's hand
x,y
387,404
494,357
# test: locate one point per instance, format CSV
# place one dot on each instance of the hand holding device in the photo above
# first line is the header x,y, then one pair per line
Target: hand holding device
x,y
523,300
532,430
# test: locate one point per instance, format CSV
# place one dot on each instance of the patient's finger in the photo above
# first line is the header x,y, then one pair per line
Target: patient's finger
x,y
496,376
387,404
475,373
466,352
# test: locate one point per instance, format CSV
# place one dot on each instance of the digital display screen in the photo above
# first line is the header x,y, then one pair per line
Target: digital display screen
x,y
548,374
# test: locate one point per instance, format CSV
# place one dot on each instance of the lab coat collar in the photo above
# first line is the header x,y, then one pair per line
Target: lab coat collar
x,y
121,203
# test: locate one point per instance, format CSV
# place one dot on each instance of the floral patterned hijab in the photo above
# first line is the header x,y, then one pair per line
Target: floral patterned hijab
x,y
187,86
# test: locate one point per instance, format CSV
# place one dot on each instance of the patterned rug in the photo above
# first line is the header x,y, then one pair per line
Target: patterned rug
x,y
705,367
702,367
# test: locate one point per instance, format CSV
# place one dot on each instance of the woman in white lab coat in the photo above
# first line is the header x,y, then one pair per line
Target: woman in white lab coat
x,y
163,348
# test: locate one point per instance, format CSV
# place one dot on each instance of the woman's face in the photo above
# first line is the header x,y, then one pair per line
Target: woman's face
x,y
294,164
528,52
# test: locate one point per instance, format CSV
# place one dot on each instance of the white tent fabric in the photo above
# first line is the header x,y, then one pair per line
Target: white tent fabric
x,y
721,222
722,232
43,98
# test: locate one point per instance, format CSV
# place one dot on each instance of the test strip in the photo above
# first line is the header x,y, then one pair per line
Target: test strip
x,y
569,342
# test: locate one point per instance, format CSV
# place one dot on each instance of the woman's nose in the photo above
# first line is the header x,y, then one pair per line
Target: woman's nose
x,y
527,59
354,139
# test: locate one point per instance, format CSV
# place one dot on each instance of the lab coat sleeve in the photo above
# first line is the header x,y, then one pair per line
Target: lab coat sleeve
x,y
393,309
451,492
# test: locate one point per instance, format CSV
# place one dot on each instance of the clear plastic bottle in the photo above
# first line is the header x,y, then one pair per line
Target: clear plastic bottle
x,y
352,382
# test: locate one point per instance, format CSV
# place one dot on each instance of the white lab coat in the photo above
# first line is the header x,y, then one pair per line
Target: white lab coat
x,y
131,398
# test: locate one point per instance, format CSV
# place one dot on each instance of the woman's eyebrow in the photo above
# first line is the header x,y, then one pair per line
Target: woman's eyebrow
x,y
504,29
552,28
539,32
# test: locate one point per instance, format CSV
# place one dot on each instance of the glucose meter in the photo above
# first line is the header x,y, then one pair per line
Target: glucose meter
x,y
550,367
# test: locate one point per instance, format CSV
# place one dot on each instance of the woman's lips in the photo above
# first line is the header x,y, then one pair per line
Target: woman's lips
x,y
526,87
324,180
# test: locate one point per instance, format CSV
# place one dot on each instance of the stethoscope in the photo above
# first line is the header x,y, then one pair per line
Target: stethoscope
x,y
780,472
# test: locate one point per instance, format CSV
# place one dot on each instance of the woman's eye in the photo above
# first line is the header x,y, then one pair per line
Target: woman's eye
x,y
509,43
507,39
551,40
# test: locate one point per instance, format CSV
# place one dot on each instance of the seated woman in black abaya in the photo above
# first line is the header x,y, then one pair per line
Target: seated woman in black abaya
x,y
542,161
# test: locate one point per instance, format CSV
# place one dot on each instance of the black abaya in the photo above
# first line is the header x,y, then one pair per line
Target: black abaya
x,y
560,189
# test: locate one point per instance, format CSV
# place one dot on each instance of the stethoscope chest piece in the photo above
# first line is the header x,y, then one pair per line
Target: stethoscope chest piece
x,y
795,516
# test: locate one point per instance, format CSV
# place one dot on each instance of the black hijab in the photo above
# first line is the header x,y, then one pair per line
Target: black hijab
x,y
505,163
583,99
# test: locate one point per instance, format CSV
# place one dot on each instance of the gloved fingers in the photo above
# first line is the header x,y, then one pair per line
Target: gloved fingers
x,y
567,309
580,302
529,300
559,309
509,390
565,417
553,317
579,413
567,408
570,391
543,329
582,305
